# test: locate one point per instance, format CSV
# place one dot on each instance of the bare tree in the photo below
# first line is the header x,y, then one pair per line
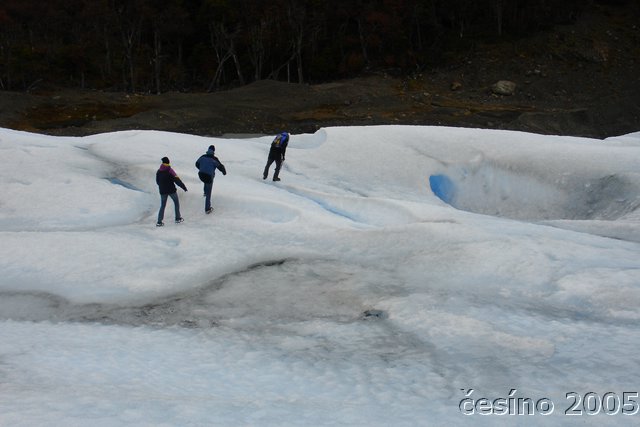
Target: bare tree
x,y
224,45
498,7
257,47
297,16
130,28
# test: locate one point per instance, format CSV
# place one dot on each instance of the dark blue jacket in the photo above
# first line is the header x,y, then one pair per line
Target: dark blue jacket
x,y
166,178
207,165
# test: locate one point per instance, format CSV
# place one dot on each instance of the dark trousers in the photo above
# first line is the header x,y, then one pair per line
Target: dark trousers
x,y
163,204
272,159
207,180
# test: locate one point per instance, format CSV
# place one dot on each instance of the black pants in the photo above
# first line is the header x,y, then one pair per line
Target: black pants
x,y
207,180
272,159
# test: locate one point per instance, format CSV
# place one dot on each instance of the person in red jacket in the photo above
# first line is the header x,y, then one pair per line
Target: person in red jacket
x,y
166,178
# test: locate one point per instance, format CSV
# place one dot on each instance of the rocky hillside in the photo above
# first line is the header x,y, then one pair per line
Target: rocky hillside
x,y
578,79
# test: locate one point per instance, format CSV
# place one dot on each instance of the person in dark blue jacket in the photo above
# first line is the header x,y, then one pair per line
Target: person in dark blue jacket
x,y
207,165
166,178
276,154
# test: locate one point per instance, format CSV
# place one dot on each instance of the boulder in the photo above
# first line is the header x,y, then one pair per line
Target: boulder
x,y
504,87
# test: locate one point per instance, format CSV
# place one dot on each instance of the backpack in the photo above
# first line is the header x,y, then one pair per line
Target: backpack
x,y
279,140
276,142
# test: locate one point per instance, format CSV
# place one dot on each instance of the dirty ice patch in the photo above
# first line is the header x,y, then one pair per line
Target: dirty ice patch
x,y
588,288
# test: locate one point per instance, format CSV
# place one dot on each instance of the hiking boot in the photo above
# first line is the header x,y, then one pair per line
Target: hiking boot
x,y
276,179
159,224
208,211
179,220
264,176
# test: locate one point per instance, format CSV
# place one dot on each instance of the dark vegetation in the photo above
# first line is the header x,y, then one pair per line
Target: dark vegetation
x,y
75,67
200,45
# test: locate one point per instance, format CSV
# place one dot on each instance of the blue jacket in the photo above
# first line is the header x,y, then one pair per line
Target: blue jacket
x,y
208,163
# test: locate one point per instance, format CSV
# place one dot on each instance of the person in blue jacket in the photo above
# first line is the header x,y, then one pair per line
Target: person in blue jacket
x,y
207,165
166,178
276,154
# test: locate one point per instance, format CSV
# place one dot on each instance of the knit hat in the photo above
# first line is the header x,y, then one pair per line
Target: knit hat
x,y
165,160
212,148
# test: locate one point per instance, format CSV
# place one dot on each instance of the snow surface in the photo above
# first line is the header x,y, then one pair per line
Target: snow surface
x,y
347,294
